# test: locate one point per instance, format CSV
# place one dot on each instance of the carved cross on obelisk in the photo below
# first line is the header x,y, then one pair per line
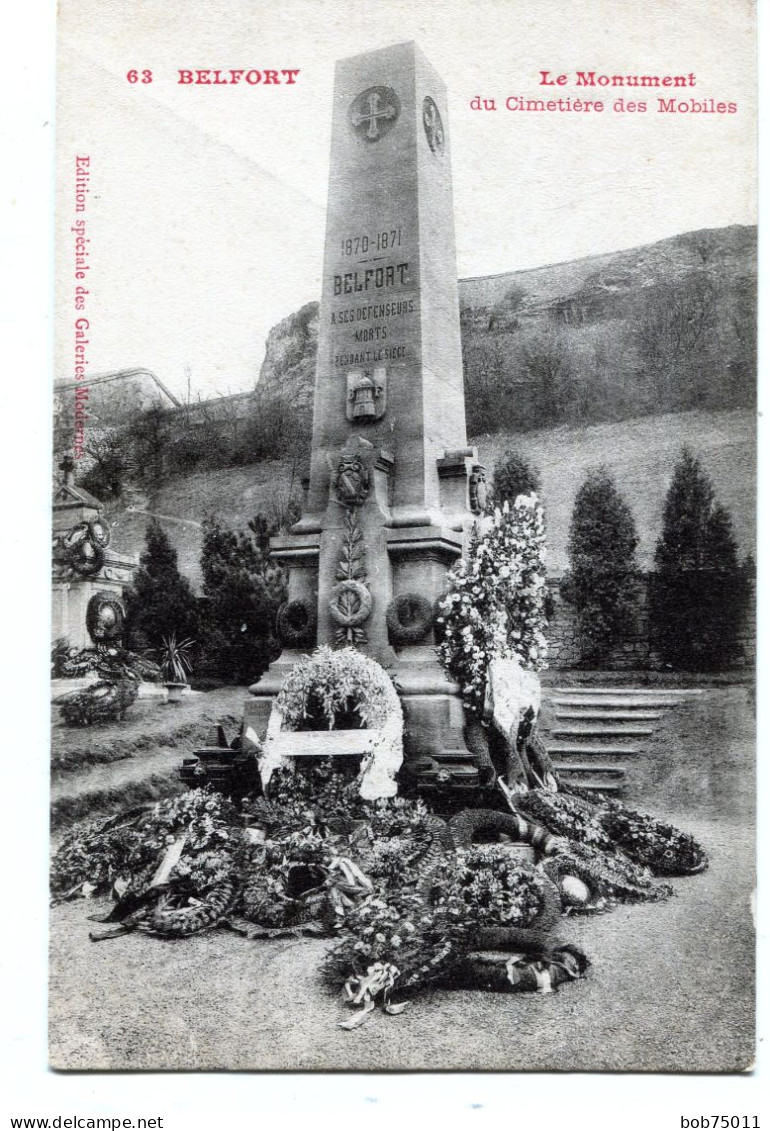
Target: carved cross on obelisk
x,y
372,114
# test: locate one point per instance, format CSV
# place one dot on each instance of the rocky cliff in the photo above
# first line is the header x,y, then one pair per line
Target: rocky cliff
x,y
670,326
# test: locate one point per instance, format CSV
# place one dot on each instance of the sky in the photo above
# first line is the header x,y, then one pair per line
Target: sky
x,y
207,203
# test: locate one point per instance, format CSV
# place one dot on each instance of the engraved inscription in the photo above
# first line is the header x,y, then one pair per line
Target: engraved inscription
x,y
373,278
379,241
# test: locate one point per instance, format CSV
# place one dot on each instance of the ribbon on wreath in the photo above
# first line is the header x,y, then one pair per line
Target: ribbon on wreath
x,y
364,989
346,884
546,972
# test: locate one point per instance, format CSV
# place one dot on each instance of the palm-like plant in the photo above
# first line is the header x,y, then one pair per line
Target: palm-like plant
x,y
174,658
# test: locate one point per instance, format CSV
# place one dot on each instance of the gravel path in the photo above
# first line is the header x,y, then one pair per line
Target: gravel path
x,y
670,987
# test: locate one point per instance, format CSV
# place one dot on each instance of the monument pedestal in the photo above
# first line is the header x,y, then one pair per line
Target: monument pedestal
x,y
70,598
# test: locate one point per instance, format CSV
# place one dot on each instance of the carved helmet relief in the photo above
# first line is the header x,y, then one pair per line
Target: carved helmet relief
x,y
351,480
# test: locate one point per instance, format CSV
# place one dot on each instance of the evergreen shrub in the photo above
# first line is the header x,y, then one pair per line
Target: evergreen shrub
x,y
603,579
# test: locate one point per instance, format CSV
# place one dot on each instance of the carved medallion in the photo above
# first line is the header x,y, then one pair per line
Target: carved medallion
x,y
105,617
374,112
434,128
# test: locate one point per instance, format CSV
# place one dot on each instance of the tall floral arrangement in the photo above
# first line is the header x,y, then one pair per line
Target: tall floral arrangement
x,y
495,603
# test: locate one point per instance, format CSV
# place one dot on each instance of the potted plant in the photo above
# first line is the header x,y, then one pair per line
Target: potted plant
x,y
175,665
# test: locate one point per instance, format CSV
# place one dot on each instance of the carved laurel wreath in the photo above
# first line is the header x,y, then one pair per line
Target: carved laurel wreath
x,y
351,602
350,606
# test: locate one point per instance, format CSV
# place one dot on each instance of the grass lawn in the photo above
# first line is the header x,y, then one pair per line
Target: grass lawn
x,y
119,764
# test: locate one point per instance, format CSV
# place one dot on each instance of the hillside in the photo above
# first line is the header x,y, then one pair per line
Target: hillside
x,y
616,358
640,452
729,251
667,327
661,329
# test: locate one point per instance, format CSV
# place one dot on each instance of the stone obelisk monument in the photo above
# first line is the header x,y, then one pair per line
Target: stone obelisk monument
x,y
392,480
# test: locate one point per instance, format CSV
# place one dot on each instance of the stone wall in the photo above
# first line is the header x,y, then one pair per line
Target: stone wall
x,y
635,653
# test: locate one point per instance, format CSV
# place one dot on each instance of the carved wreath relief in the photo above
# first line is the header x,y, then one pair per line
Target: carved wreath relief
x,y
374,112
351,602
80,551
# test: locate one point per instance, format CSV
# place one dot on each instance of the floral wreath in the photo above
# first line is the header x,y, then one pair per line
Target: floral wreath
x,y
285,880
296,623
409,617
341,681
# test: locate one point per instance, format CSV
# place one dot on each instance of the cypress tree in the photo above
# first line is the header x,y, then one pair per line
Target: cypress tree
x,y
687,514
603,580
243,590
513,476
699,591
159,601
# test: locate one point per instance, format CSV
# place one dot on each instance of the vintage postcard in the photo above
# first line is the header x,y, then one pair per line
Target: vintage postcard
x,y
403,586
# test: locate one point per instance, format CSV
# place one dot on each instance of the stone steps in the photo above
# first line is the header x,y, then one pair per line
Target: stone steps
x,y
561,750
602,785
590,768
599,714
612,731
592,724
677,692
625,702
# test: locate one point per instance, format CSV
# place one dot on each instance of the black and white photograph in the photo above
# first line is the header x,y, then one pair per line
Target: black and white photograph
x,y
403,571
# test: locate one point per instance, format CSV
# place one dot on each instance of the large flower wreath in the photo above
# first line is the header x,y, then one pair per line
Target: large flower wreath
x,y
331,685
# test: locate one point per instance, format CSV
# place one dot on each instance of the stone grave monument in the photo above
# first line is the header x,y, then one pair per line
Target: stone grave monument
x,y
393,485
88,576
